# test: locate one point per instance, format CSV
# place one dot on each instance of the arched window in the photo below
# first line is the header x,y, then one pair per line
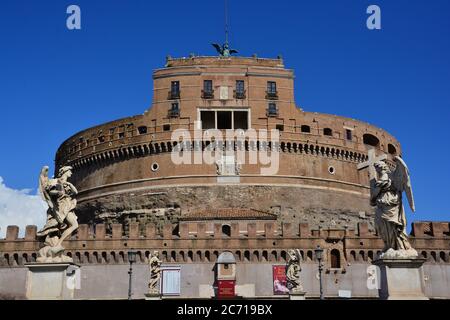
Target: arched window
x,y
306,129
353,256
371,140
226,230
246,255
309,255
442,256
433,256
335,259
391,149
327,132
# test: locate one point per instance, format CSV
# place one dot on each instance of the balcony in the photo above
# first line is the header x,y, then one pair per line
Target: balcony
x,y
240,94
272,95
208,94
173,95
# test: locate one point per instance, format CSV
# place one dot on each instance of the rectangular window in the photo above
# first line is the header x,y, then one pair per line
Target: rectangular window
x,y
272,110
166,127
240,89
241,120
348,134
271,87
208,119
175,90
224,120
175,110
208,86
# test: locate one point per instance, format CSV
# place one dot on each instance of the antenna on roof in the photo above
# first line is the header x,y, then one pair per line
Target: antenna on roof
x,y
226,22
225,50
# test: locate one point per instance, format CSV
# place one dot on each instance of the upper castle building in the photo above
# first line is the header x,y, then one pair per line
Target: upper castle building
x,y
123,169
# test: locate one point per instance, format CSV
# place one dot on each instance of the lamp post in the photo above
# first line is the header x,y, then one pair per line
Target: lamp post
x,y
131,260
319,256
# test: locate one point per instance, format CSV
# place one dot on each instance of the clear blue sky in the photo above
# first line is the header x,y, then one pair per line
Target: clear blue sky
x,y
55,82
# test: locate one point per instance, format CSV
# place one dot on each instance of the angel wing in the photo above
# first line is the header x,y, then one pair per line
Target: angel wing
x,y
43,182
218,47
232,51
402,181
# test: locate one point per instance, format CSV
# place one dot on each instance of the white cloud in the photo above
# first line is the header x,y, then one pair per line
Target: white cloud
x,y
20,208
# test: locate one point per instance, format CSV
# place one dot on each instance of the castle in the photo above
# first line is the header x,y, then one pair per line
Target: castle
x,y
133,196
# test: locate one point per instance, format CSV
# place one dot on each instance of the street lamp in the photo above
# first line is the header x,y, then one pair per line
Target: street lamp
x,y
131,260
319,256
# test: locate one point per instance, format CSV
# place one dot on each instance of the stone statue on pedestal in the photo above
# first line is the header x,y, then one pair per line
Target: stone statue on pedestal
x,y
155,273
390,221
293,272
59,194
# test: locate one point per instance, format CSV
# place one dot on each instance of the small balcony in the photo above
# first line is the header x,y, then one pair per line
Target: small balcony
x,y
240,94
174,95
272,95
208,94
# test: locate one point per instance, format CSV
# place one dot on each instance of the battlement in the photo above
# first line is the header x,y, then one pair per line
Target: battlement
x,y
271,229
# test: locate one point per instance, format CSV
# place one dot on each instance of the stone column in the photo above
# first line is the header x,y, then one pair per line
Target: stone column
x,y
401,279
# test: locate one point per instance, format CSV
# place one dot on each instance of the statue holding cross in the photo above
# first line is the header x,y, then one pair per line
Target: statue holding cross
x,y
386,194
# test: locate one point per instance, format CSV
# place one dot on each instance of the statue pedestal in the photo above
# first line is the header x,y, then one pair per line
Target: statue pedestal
x,y
153,296
51,281
401,279
297,295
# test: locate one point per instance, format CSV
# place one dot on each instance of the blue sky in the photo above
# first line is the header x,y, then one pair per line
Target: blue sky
x,y
55,82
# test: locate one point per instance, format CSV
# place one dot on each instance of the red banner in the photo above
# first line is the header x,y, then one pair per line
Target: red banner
x,y
279,280
226,289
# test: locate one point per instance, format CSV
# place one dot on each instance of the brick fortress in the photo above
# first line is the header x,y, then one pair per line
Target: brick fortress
x,y
131,194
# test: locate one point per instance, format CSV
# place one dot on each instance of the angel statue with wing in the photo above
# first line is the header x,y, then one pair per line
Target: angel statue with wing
x,y
293,271
59,194
390,219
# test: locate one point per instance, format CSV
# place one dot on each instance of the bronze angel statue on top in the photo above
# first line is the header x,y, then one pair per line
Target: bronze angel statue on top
x,y
59,194
390,219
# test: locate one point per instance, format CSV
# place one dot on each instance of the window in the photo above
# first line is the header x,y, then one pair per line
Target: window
x,y
121,135
241,120
348,134
306,129
101,139
371,140
327,132
280,127
335,259
166,127
391,149
271,88
226,230
224,120
142,130
208,119
175,90
208,92
272,110
240,89
175,110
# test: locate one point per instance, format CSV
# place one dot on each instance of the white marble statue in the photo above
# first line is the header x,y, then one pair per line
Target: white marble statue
x,y
155,273
293,271
59,194
390,221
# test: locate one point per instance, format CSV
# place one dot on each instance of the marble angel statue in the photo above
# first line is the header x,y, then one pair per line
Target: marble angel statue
x,y
293,271
155,273
390,219
59,194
